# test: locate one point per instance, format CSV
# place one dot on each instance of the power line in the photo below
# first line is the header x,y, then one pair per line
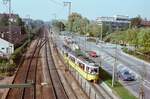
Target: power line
x,y
56,2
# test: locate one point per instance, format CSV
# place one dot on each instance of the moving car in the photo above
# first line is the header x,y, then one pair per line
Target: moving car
x,y
92,54
125,75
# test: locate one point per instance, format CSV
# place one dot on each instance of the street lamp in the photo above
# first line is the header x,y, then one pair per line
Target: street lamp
x,y
101,31
114,67
143,74
101,24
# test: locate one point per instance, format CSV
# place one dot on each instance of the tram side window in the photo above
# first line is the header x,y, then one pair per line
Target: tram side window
x,y
87,69
72,59
81,66
66,54
76,62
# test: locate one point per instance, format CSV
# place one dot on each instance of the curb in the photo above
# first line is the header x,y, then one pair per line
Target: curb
x,y
137,59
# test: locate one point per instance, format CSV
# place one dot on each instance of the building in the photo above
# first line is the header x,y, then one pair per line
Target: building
x,y
145,23
10,37
118,22
16,35
8,44
6,48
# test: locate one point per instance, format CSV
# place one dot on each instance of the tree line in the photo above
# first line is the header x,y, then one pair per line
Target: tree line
x,y
78,24
138,37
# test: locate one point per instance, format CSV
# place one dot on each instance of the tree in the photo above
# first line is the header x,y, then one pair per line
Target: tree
x,y
132,36
4,21
84,25
94,29
105,29
73,18
58,24
77,23
19,21
144,39
135,22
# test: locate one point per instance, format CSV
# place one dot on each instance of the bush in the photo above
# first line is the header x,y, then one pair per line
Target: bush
x,y
7,68
19,51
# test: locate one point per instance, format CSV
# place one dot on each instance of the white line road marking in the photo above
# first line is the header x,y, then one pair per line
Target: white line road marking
x,y
147,84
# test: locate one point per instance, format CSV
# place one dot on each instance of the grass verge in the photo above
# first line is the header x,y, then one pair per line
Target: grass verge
x,y
137,55
118,88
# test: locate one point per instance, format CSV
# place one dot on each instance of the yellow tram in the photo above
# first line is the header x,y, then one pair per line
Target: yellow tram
x,y
85,67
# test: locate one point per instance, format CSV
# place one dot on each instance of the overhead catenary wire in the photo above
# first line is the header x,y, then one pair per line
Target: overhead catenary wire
x,y
56,2
61,4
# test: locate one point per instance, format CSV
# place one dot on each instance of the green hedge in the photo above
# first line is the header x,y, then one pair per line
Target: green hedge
x,y
19,51
6,68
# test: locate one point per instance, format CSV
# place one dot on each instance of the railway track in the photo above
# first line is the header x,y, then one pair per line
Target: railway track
x,y
57,89
30,93
25,73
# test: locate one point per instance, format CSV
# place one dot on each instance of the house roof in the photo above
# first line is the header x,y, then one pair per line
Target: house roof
x,y
7,15
15,37
5,41
13,29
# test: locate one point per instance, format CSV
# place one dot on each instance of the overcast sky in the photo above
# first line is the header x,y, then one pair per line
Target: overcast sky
x,y
45,9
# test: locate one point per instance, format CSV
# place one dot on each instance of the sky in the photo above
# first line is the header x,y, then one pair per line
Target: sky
x,y
46,9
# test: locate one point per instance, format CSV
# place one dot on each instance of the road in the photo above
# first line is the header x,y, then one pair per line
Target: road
x,y
108,55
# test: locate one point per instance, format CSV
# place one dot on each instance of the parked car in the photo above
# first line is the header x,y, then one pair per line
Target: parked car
x,y
125,75
92,54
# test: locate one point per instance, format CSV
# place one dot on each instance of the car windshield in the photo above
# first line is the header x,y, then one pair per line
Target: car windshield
x,y
126,73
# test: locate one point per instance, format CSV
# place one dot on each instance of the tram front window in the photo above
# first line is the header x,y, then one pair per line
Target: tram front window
x,y
94,71
66,54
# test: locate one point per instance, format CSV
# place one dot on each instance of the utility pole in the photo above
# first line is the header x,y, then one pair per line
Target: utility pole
x,y
29,25
101,31
55,16
10,34
101,24
114,67
10,19
143,76
69,7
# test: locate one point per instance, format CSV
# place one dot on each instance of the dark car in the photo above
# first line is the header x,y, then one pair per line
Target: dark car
x,y
125,75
